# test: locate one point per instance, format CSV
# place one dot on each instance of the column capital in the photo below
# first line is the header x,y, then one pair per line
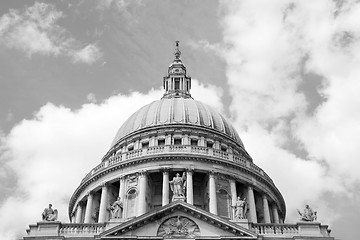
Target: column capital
x,y
212,173
165,170
143,173
122,178
190,171
104,185
90,193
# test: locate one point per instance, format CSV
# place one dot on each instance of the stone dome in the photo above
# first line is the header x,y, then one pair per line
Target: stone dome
x,y
174,111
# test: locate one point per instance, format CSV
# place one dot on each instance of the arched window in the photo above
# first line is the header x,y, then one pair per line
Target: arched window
x,y
223,203
130,203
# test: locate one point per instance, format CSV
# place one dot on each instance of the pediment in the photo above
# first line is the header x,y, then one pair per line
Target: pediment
x,y
178,220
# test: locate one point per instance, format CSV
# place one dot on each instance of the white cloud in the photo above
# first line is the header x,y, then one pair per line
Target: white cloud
x,y
51,153
34,31
265,45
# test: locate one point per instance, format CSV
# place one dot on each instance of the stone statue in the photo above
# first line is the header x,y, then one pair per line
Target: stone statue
x,y
178,185
308,214
239,207
49,214
116,208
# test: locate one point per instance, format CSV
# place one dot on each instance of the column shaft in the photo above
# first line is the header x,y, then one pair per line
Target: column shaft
x,y
103,204
252,206
88,210
78,213
122,189
189,187
165,188
275,213
266,210
142,194
212,194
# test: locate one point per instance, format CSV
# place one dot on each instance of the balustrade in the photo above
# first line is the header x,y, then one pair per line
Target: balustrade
x,y
81,229
239,159
275,229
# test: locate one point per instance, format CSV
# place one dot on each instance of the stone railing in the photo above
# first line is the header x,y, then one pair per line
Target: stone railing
x,y
310,229
205,151
275,229
81,229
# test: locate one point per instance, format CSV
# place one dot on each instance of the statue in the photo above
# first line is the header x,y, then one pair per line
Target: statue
x,y
239,207
49,214
308,214
116,208
178,185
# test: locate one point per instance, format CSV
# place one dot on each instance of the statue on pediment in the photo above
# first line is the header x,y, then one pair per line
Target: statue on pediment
x,y
49,214
178,185
116,208
308,214
240,208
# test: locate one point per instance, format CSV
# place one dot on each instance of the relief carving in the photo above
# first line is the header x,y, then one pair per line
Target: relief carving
x,y
178,227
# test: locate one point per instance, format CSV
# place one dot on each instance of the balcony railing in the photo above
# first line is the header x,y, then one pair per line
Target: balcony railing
x,y
275,229
205,151
81,229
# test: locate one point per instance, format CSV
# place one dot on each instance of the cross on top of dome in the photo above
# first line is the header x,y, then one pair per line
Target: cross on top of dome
x,y
177,83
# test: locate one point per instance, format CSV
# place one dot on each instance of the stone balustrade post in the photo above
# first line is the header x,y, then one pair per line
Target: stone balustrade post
x,y
212,194
88,210
142,205
189,186
266,209
251,204
103,203
165,187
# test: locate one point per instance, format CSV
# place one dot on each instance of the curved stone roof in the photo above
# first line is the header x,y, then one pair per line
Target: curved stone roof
x,y
177,110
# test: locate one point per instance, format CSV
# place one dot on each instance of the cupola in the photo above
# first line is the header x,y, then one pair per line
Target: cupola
x,y
176,83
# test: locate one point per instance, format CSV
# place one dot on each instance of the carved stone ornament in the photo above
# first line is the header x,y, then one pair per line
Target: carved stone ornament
x,y
178,227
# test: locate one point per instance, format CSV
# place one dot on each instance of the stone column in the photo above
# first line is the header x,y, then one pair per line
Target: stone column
x,y
143,184
122,188
266,209
252,206
212,194
275,213
103,203
78,213
189,186
165,187
233,191
88,210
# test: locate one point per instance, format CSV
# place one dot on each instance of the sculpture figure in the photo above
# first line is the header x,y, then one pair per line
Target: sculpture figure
x,y
178,185
116,208
308,214
239,207
49,214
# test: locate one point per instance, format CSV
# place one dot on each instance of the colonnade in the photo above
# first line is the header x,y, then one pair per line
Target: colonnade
x,y
141,206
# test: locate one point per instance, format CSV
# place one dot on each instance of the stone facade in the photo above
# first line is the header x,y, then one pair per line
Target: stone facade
x,y
130,194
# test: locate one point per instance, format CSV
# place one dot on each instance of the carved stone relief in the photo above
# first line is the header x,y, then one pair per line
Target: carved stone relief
x,y
178,227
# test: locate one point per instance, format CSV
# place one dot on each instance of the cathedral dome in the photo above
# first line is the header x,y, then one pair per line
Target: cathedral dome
x,y
175,111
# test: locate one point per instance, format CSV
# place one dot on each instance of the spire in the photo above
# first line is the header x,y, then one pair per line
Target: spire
x,y
176,83
177,52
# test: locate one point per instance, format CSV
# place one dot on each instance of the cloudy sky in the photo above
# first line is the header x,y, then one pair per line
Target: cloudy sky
x,y
285,72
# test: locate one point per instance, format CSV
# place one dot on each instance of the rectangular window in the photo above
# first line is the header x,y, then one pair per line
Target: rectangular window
x,y
145,144
209,144
177,141
194,142
161,142
177,83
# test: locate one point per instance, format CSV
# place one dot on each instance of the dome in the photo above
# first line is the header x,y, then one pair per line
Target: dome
x,y
174,111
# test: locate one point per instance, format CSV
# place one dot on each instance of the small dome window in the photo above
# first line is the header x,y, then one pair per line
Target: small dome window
x,y
161,142
193,142
177,141
209,144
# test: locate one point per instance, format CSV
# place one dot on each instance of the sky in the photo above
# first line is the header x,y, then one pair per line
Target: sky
x,y
286,73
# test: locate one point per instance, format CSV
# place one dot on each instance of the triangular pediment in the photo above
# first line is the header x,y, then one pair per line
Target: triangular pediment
x,y
178,220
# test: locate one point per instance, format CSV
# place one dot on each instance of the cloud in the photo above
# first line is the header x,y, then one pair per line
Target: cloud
x,y
43,159
34,31
269,47
127,8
